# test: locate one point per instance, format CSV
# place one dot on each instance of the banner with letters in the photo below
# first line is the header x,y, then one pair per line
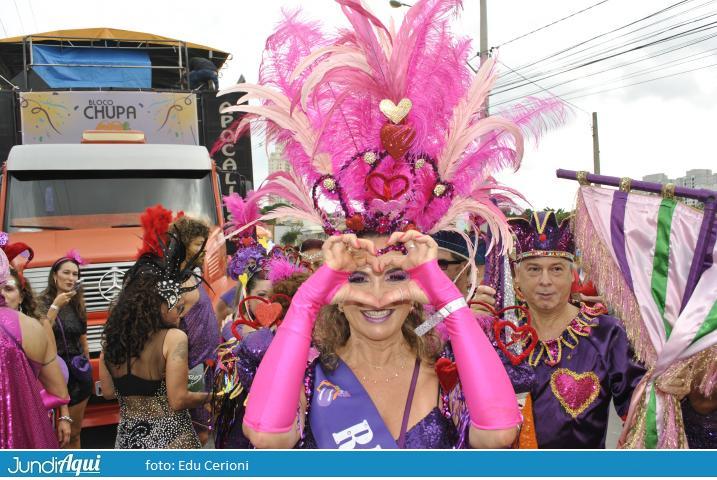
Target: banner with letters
x,y
231,155
62,116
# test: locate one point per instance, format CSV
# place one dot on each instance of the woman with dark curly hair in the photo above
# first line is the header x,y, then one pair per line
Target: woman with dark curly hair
x,y
144,361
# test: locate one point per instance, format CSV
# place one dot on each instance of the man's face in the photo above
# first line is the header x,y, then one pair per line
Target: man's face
x,y
544,282
453,266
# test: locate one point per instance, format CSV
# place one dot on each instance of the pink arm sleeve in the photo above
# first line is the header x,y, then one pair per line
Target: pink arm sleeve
x,y
274,396
487,389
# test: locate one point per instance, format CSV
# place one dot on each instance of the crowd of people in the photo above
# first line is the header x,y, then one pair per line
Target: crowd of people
x,y
426,318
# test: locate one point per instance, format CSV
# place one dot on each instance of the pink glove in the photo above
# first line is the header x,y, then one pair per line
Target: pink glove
x,y
274,396
51,401
487,389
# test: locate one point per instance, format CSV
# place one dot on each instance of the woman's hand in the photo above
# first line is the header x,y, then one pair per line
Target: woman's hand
x,y
420,249
347,253
63,432
63,299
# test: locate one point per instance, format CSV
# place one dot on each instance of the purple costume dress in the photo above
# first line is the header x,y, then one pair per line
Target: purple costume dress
x,y
577,375
436,430
24,422
200,325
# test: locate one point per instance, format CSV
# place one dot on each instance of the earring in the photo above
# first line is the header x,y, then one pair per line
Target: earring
x,y
341,309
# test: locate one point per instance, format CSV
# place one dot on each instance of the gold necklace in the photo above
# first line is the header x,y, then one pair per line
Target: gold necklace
x,y
386,379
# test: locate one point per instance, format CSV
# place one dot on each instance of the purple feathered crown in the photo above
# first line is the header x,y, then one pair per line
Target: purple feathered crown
x,y
542,236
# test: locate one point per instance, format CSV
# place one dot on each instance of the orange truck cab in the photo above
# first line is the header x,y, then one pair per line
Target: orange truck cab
x,y
56,197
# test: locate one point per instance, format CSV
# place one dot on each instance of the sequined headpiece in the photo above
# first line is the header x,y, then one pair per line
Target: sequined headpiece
x,y
542,236
384,130
167,265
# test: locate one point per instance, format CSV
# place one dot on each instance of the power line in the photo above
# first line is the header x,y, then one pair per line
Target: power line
x,y
645,81
640,73
567,67
556,58
551,24
603,51
632,74
2,24
554,55
699,29
541,88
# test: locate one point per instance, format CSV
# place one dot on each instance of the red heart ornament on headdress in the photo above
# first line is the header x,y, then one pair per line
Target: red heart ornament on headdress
x,y
397,139
387,188
447,373
518,334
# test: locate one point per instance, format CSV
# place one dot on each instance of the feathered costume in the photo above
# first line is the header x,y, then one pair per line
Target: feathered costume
x,y
384,131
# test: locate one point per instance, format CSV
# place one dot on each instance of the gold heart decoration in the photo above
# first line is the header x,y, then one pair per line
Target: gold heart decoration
x,y
394,112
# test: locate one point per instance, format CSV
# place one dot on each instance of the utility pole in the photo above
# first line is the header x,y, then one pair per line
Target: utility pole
x,y
596,146
484,43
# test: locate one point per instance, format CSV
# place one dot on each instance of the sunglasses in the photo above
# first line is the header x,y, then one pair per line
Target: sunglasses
x,y
445,263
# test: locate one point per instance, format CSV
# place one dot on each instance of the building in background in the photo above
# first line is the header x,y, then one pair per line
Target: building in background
x,y
279,163
696,178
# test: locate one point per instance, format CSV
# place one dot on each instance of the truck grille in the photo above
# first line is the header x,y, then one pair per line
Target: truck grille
x,y
109,274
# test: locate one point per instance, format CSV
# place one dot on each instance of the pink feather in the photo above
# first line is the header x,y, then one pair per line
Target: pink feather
x,y
280,268
243,210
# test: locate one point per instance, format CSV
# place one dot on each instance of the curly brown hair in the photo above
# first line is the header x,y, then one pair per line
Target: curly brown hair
x,y
332,331
29,304
135,317
50,293
187,229
288,287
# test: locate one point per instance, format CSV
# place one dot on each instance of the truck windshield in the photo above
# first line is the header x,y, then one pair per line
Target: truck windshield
x,y
70,200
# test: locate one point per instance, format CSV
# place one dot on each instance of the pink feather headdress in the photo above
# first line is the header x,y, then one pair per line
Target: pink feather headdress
x,y
384,130
243,212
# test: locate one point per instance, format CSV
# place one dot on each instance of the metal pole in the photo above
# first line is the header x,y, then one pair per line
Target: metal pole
x,y
484,43
596,146
702,194
24,61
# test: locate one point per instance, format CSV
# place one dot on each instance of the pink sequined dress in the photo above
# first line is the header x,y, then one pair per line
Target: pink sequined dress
x,y
24,422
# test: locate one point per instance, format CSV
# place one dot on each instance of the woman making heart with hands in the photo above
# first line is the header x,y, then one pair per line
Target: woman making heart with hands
x,y
368,298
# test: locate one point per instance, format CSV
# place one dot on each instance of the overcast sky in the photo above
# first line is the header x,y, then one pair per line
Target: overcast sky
x,y
665,126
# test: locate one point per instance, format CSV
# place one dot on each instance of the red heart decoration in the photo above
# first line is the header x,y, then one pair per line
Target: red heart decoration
x,y
397,139
268,313
386,185
518,334
522,331
447,373
269,316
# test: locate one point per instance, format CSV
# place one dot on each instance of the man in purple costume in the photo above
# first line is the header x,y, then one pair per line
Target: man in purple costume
x,y
583,359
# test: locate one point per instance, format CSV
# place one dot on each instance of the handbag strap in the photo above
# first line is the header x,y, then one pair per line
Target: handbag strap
x,y
62,330
409,401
